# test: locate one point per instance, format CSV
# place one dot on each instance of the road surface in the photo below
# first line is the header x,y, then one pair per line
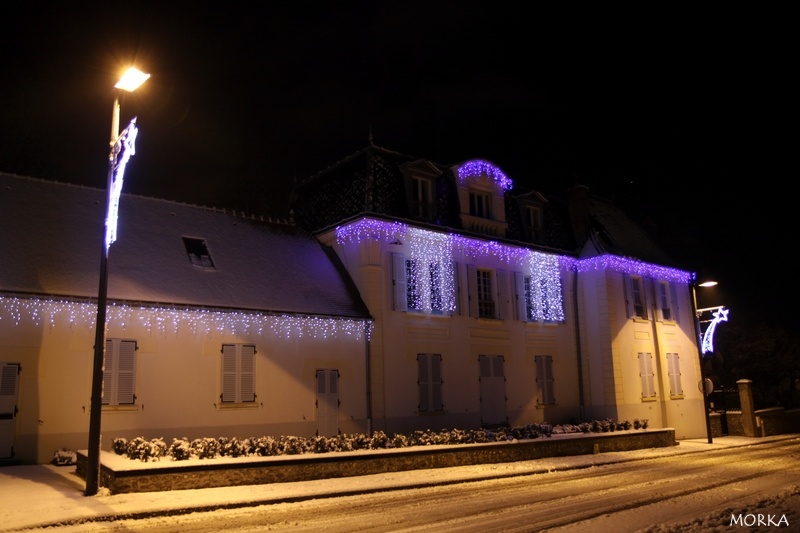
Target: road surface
x,y
695,492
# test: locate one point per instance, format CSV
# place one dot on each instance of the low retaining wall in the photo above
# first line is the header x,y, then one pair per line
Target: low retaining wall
x,y
335,465
777,421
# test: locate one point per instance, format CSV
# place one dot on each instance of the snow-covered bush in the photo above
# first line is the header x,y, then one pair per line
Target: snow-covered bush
x,y
64,457
119,445
379,440
180,449
144,450
266,446
233,447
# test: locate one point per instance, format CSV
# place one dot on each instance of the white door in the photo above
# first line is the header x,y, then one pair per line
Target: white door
x,y
9,388
493,390
327,402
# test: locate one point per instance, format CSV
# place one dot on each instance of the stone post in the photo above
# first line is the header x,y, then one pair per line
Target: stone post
x,y
748,408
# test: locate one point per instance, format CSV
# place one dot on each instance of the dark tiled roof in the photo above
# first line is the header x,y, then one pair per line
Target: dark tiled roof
x,y
613,232
51,242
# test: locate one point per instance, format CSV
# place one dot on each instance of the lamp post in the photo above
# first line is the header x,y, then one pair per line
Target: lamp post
x,y
130,81
698,333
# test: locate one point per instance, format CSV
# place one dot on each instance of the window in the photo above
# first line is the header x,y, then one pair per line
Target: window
x,y
488,293
480,204
430,382
674,370
238,373
532,223
485,294
538,298
544,379
665,311
646,375
119,372
422,198
198,252
634,297
424,285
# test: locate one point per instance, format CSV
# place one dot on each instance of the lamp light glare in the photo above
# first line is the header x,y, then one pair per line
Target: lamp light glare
x,y
132,79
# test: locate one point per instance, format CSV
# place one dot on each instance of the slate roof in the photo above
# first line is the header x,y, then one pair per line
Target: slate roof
x,y
613,232
51,243
370,182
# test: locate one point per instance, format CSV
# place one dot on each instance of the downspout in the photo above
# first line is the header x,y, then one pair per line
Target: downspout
x,y
578,343
368,370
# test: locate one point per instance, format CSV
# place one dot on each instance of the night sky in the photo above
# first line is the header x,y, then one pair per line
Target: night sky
x,y
682,117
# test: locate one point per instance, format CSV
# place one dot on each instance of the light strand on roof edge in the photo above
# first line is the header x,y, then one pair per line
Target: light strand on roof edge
x,y
368,229
165,320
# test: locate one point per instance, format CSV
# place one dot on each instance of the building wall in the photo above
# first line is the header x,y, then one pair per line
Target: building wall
x,y
613,342
399,336
177,377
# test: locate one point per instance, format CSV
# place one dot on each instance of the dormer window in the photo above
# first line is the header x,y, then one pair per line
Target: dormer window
x,y
480,204
422,197
532,223
481,194
198,252
420,184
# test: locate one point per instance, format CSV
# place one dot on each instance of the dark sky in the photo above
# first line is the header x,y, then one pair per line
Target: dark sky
x,y
683,115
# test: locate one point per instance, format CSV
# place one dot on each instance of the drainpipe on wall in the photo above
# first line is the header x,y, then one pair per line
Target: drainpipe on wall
x,y
578,343
368,370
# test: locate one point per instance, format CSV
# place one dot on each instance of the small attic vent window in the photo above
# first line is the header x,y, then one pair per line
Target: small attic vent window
x,y
198,252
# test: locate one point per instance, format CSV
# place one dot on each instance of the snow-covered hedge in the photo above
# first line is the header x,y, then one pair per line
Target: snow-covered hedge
x,y
209,448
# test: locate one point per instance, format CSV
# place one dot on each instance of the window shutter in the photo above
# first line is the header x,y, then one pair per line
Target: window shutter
x,y
456,290
485,364
228,373
321,383
663,301
646,374
544,378
472,288
248,373
399,282
334,382
628,288
497,366
642,296
436,382
502,295
519,297
108,373
424,380
125,370
674,369
9,386
675,308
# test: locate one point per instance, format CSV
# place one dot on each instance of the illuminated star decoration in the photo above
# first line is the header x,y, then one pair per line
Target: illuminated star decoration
x,y
126,147
720,315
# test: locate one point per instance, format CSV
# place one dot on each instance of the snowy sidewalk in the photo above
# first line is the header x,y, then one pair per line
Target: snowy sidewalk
x,y
40,495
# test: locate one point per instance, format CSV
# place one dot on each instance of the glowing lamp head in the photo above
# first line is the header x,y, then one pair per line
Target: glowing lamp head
x,y
707,284
132,79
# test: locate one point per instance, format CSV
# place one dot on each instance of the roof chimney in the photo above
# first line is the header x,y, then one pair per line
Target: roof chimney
x,y
579,213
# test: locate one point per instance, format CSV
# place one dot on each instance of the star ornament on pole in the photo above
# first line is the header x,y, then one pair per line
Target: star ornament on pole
x,y
122,151
720,315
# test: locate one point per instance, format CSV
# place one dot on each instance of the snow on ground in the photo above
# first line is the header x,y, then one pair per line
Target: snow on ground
x,y
38,495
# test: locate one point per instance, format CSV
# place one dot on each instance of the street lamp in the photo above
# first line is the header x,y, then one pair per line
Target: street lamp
x,y
121,148
698,341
